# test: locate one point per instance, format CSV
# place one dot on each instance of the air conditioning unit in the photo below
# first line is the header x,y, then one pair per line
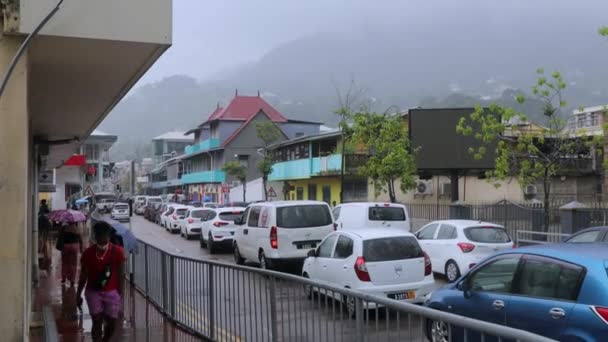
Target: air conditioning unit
x,y
424,187
445,189
530,190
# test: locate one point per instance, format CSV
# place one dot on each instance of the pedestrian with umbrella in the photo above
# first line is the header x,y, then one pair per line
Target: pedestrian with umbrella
x,y
69,242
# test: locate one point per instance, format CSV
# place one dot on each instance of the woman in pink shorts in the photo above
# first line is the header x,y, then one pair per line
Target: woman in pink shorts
x,y
102,270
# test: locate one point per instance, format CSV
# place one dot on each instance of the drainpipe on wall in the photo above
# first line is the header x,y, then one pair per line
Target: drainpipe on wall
x,y
36,208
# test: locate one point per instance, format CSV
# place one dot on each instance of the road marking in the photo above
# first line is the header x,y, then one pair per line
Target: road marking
x,y
184,308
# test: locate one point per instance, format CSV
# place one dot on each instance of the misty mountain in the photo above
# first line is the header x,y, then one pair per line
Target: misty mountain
x,y
429,65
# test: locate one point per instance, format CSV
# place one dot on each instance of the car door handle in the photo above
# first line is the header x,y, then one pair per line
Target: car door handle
x,y
498,304
557,313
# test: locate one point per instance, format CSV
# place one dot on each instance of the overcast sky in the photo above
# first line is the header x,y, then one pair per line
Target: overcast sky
x,y
211,36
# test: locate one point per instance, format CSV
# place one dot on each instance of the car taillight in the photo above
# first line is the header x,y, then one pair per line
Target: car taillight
x,y
361,270
220,223
466,247
428,267
601,312
190,220
274,238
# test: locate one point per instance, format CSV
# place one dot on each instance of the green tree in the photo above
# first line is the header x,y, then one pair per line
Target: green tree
x,y
603,31
390,155
269,133
533,154
238,171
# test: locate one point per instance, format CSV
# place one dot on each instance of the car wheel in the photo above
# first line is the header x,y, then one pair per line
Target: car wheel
x,y
437,331
265,264
452,272
238,259
211,244
308,288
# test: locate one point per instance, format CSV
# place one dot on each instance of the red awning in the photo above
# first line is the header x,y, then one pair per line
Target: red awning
x,y
76,160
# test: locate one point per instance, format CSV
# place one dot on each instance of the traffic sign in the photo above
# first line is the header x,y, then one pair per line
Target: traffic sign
x,y
271,192
88,191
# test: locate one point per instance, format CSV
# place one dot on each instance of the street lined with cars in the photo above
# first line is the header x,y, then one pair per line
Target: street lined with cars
x,y
372,251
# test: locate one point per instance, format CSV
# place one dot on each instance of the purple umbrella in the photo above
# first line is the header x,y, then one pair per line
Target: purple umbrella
x,y
67,216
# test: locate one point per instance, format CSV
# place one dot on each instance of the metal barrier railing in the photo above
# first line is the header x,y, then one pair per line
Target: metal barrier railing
x,y
527,237
225,302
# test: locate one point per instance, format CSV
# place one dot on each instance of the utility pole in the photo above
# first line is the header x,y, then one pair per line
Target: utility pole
x,y
131,203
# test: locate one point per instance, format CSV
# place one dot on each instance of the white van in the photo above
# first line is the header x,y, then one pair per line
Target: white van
x,y
273,233
372,215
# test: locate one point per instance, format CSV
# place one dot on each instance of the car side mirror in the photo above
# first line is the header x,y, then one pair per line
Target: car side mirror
x,y
238,221
312,253
465,287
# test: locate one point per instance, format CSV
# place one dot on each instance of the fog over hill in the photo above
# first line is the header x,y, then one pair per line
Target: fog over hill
x,y
455,55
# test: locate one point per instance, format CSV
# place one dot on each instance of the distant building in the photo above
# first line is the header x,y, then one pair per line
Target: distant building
x,y
589,120
91,168
170,145
229,134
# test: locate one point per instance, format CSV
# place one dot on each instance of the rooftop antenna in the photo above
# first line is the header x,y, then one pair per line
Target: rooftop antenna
x,y
258,93
236,92
218,104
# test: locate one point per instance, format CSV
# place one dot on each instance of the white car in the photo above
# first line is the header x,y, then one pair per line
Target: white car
x,y
455,246
120,212
382,262
143,201
372,215
173,220
164,217
192,223
219,228
106,205
273,233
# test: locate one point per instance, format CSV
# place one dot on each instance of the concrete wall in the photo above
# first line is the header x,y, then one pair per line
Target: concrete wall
x,y
63,176
109,19
172,171
247,143
292,128
471,189
225,129
16,197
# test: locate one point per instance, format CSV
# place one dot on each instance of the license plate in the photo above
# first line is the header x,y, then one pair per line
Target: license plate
x,y
402,295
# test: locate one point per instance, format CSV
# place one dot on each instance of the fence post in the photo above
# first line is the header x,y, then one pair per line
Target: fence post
x,y
273,310
211,305
163,275
359,319
146,268
172,285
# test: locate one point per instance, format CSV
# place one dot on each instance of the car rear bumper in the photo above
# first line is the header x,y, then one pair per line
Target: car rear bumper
x,y
422,289
120,216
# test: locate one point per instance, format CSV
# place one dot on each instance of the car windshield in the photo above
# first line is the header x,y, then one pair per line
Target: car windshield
x,y
181,211
386,214
121,206
230,216
487,235
391,248
301,216
197,213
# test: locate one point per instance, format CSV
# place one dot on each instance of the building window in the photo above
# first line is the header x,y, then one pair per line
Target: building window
x,y
312,192
244,160
91,152
300,193
581,121
327,194
299,134
595,119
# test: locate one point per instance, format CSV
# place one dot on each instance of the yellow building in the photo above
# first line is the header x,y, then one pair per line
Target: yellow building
x,y
310,168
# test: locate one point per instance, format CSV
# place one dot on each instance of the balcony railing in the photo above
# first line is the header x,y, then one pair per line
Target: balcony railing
x,y
212,176
204,145
318,166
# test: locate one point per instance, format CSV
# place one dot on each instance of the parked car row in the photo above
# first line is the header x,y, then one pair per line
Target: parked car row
x,y
559,291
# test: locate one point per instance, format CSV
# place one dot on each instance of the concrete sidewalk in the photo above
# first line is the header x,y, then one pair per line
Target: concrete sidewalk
x,y
141,321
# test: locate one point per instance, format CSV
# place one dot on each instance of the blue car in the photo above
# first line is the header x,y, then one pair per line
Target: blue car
x,y
559,291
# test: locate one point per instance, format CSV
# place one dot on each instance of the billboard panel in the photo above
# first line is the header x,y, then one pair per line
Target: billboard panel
x,y
433,132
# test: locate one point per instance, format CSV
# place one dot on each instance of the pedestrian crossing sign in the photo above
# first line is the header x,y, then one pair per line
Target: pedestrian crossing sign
x,y
271,192
88,191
